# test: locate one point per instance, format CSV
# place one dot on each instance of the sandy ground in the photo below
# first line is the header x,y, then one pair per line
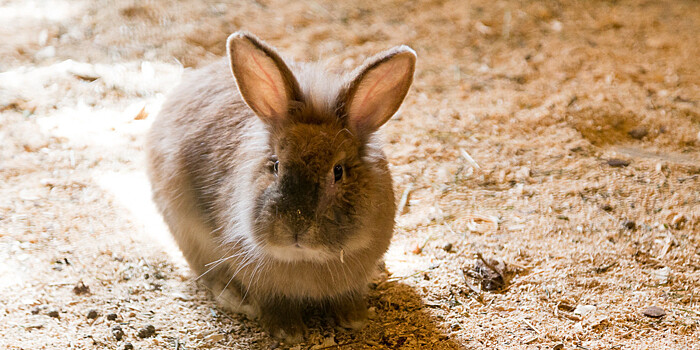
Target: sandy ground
x,y
559,140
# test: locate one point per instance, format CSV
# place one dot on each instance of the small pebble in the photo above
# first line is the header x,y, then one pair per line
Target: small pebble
x,y
371,312
147,331
38,309
559,346
117,332
128,346
638,133
447,247
92,314
654,312
81,289
111,317
328,342
53,313
629,224
607,207
618,163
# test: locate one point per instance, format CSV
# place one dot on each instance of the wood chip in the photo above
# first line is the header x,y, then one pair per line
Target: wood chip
x,y
584,310
469,159
662,275
83,71
477,222
34,326
596,320
678,221
404,199
214,337
530,340
604,268
570,316
181,296
527,323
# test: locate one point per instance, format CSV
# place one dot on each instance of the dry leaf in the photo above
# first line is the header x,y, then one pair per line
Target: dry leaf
x,y
142,114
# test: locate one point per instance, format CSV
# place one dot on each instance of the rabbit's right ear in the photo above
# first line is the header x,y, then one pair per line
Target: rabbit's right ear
x,y
264,80
377,89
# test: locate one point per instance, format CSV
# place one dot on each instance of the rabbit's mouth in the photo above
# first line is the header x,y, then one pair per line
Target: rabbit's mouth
x,y
290,241
298,252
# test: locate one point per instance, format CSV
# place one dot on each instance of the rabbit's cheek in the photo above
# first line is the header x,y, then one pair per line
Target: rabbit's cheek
x,y
325,200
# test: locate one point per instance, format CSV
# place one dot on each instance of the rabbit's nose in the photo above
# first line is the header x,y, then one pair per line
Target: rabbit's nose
x,y
299,197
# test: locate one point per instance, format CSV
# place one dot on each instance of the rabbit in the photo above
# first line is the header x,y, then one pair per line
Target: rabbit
x,y
274,184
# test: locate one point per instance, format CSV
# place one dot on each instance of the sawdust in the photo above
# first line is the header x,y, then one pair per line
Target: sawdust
x,y
538,95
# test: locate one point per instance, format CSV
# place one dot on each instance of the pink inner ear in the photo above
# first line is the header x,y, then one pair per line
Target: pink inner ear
x,y
379,93
268,80
368,93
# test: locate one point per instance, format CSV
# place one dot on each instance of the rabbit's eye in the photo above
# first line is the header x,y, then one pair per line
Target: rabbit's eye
x,y
276,167
338,172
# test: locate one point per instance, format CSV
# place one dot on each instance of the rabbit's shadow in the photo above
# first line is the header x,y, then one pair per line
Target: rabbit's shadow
x,y
401,321
398,320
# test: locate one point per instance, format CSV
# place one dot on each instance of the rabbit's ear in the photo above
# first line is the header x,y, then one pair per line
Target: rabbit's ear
x,y
378,87
264,80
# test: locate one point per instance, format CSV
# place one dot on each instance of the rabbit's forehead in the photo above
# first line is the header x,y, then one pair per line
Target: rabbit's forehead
x,y
317,143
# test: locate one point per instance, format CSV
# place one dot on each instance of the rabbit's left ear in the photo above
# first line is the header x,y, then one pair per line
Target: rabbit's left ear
x,y
377,89
264,80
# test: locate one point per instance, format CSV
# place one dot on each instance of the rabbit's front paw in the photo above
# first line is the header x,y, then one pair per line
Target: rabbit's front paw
x,y
351,314
284,324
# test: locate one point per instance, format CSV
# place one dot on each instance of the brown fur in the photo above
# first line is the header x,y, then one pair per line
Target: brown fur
x,y
211,162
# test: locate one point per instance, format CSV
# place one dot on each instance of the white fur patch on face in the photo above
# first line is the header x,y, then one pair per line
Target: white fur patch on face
x,y
318,86
294,253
